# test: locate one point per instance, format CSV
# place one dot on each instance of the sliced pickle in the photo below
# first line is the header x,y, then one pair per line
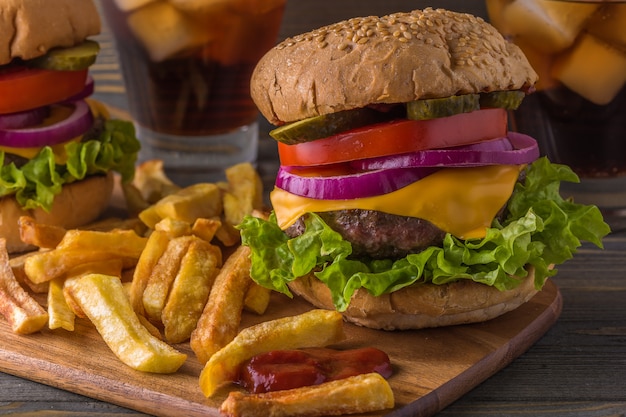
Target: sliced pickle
x,y
74,58
433,108
319,127
509,100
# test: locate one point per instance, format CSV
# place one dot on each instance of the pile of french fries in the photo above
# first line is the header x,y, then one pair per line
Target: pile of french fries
x,y
173,272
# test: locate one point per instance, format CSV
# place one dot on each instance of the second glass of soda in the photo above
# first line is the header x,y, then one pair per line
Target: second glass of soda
x,y
187,67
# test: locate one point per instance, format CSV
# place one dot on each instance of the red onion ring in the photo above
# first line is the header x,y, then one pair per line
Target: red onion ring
x,y
75,125
383,175
346,187
23,119
515,149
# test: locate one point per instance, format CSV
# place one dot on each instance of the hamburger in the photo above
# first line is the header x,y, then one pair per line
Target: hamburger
x,y
58,147
402,200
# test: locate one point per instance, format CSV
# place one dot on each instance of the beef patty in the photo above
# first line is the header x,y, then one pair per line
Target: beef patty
x,y
376,234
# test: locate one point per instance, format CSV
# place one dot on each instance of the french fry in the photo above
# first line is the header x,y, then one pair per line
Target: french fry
x,y
173,227
104,301
69,300
227,234
219,323
45,266
60,315
245,192
357,394
40,235
155,247
188,204
17,265
80,247
151,181
190,290
108,267
315,328
23,313
123,241
113,223
162,276
257,299
154,331
111,267
261,214
206,228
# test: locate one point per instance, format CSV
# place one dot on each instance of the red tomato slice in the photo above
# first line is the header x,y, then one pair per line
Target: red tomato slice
x,y
24,88
398,136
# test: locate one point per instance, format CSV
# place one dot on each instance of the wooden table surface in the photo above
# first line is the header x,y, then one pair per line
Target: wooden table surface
x,y
578,368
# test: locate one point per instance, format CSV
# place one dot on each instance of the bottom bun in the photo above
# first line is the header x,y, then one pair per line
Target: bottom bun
x,y
78,203
421,305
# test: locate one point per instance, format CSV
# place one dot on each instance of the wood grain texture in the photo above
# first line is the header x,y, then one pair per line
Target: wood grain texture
x,y
432,368
576,369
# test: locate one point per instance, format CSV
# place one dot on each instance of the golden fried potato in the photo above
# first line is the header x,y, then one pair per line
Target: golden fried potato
x,y
107,267
40,235
17,265
104,301
155,247
190,290
219,322
188,204
69,300
173,227
257,299
152,182
84,246
23,313
245,192
162,276
60,315
228,234
357,394
113,241
109,224
206,228
315,328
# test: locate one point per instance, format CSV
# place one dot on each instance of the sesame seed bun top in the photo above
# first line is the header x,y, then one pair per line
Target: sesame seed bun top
x,y
397,58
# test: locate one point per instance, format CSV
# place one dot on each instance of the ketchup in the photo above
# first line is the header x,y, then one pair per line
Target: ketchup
x,y
287,369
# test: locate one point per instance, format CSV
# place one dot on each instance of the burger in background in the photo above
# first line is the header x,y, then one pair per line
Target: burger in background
x,y
58,148
401,199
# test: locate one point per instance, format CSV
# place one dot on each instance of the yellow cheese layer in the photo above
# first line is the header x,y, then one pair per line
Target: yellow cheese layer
x,y
60,157
462,201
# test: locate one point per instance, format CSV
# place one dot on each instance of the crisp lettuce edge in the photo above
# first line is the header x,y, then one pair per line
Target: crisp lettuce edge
x,y
541,229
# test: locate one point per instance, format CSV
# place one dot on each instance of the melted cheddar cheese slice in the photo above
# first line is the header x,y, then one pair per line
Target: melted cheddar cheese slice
x,y
461,201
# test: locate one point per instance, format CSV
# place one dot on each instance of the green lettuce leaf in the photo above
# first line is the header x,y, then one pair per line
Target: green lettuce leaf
x,y
542,229
38,181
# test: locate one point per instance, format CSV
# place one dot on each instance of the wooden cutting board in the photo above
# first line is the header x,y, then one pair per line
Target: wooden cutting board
x,y
432,368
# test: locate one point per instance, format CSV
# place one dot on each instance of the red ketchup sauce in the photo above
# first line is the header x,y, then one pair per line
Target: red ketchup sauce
x,y
287,369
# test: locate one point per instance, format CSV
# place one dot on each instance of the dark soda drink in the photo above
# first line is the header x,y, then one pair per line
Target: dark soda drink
x,y
187,64
572,130
578,49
